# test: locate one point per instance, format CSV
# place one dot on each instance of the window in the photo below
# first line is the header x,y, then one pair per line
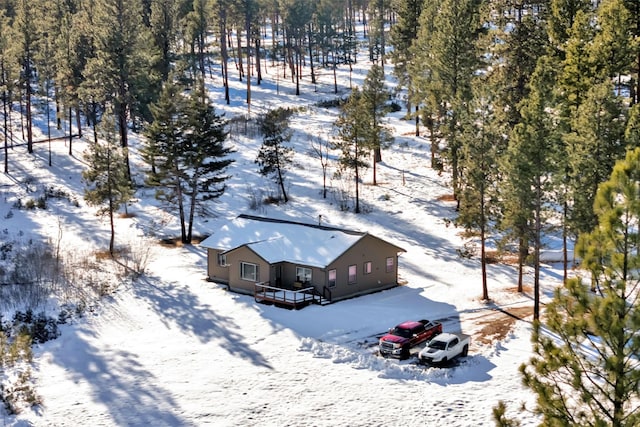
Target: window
x,y
332,278
390,265
248,271
303,274
352,274
367,267
222,260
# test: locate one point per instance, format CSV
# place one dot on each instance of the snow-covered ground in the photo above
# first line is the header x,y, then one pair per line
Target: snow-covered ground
x,y
172,349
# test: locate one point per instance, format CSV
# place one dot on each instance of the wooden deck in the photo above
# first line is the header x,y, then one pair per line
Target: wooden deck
x,y
299,298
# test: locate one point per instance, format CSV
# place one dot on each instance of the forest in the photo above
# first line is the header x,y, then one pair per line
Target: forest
x,y
528,104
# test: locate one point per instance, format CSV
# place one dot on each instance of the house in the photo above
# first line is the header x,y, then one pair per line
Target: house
x,y
262,256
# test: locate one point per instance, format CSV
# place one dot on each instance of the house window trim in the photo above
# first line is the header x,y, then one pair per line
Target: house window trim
x,y
335,278
302,278
352,278
390,265
256,275
222,259
367,268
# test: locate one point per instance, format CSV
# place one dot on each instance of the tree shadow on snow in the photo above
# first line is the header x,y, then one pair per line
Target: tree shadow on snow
x,y
119,382
179,307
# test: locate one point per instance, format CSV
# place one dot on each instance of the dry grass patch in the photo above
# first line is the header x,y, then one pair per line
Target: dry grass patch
x,y
497,326
447,198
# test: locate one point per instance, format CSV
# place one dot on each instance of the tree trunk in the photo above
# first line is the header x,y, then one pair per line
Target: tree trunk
x,y
70,131
240,64
79,121
224,55
483,254
28,91
257,61
313,75
248,31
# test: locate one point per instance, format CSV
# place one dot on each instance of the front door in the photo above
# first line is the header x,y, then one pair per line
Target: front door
x,y
277,273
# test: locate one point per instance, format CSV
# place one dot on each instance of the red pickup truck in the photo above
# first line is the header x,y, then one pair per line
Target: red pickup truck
x,y
400,340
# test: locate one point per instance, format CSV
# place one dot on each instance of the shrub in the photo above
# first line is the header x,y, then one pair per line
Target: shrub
x,y
41,202
394,107
331,103
39,328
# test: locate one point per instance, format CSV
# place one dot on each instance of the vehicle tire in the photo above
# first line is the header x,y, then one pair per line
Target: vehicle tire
x,y
465,351
405,353
444,361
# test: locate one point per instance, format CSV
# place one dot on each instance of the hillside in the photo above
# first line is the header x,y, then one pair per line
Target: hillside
x,y
172,349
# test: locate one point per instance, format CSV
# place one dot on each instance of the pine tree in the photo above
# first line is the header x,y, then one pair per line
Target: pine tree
x,y
448,65
633,6
516,41
481,140
205,154
527,167
374,98
377,11
196,23
401,36
427,93
26,35
185,142
121,70
585,370
108,186
613,45
166,131
8,75
562,18
274,156
592,148
351,140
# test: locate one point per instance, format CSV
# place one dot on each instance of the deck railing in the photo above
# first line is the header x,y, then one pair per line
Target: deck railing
x,y
264,292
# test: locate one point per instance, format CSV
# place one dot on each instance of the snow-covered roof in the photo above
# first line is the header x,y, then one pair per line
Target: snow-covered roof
x,y
284,241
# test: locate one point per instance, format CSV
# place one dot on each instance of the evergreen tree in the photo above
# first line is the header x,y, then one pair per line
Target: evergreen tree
x,y
26,35
351,140
296,15
585,370
596,143
71,50
449,66
613,47
374,99
527,167
274,156
377,11
427,93
108,185
166,131
185,142
8,75
206,155
401,36
121,71
633,6
164,19
578,71
196,23
562,18
516,41
632,129
481,140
